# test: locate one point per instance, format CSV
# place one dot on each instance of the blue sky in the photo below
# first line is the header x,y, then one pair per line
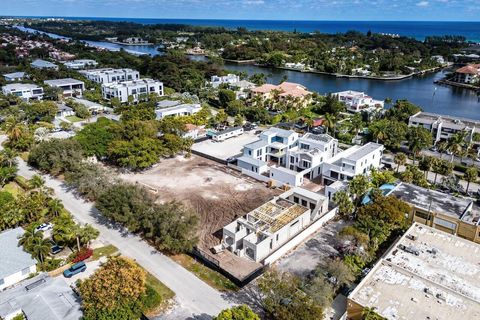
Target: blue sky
x,y
437,10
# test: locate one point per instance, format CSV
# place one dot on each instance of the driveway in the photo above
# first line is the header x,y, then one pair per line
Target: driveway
x,y
194,297
92,266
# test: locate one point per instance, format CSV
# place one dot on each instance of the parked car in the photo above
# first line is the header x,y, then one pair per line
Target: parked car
x,y
44,227
56,248
231,159
75,269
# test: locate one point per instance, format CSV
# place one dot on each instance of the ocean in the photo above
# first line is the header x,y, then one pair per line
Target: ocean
x,y
414,29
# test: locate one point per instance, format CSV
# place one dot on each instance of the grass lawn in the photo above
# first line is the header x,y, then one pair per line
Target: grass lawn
x,y
104,251
74,119
166,295
13,188
211,277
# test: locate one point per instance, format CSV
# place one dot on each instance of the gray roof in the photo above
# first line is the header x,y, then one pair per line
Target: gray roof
x,y
39,63
257,144
431,200
252,161
363,151
167,103
13,258
62,107
42,298
318,137
62,82
279,132
14,75
227,130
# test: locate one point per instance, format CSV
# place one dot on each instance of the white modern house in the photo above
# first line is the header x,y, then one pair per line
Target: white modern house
x,y
354,161
266,229
80,64
137,89
443,127
216,81
15,264
109,75
15,76
64,111
70,87
359,101
172,108
25,91
42,64
309,154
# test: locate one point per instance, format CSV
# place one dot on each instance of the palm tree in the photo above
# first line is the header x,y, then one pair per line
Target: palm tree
x,y
37,182
55,207
426,165
28,236
39,248
400,160
471,175
8,157
86,234
330,123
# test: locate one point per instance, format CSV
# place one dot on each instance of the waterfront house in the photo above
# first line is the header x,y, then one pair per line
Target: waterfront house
x,y
216,81
283,92
470,74
80,64
173,108
25,91
359,101
16,264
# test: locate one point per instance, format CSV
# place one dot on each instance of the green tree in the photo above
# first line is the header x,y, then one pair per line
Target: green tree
x,y
96,137
137,154
238,120
56,156
114,291
241,312
225,96
400,159
418,139
221,117
344,202
471,175
426,164
283,300
402,110
358,186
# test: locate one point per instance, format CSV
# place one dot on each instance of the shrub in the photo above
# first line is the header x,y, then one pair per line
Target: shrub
x,y
83,254
152,298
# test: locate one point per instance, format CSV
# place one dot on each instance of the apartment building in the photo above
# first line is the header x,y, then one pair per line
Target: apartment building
x,y
110,75
426,274
80,64
138,89
70,87
16,264
25,91
359,101
454,215
354,161
42,64
267,228
443,127
174,108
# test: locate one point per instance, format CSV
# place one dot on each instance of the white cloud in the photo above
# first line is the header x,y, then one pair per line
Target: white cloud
x,y
423,4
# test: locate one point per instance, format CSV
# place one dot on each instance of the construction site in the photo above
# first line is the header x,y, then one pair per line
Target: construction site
x,y
216,193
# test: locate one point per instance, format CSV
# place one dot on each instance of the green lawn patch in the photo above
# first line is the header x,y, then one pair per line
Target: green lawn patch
x,y
158,296
104,251
211,277
13,188
73,118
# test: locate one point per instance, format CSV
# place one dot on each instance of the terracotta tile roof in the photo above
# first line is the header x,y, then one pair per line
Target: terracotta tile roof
x,y
470,69
285,88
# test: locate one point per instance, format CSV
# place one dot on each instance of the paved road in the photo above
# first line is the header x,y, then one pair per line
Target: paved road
x,y
194,297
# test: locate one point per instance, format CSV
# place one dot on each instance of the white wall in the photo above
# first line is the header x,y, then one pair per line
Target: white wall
x,y
314,227
290,177
17,277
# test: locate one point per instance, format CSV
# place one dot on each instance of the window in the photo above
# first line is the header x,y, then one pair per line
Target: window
x,y
296,200
312,206
304,203
25,271
2,281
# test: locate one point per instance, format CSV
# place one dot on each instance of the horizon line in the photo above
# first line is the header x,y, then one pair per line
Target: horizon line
x,y
217,19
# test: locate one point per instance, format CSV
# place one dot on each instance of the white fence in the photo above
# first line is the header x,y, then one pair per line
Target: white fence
x,y
299,238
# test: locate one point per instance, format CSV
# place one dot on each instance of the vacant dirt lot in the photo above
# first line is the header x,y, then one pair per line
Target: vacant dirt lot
x,y
216,193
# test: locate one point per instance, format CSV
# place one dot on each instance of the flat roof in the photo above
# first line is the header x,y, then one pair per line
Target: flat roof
x,y
364,151
252,161
257,144
279,132
14,75
40,298
20,86
227,130
62,82
131,83
14,258
43,63
432,117
432,200
318,137
441,282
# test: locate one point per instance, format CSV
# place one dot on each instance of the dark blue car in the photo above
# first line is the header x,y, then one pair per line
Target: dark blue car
x,y
75,269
